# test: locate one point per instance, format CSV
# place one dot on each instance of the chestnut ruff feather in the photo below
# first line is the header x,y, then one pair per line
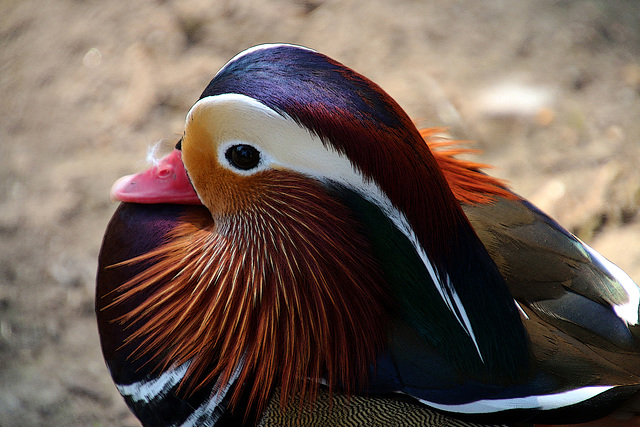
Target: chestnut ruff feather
x,y
287,291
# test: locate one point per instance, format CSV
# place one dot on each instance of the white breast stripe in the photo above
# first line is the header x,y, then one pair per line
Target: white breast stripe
x,y
148,390
541,402
206,411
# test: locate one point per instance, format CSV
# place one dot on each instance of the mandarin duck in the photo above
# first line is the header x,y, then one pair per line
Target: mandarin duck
x,y
306,255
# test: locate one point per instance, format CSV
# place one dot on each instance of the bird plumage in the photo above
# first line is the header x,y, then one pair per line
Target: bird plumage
x,y
336,251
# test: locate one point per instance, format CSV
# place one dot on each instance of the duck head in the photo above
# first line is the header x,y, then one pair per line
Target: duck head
x,y
330,222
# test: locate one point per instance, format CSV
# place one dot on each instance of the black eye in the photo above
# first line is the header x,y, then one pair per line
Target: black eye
x,y
243,157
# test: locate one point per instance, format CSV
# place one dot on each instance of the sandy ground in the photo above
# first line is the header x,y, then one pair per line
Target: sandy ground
x,y
549,89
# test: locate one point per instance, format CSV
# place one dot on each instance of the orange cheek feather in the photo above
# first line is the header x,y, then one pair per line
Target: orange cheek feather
x,y
222,191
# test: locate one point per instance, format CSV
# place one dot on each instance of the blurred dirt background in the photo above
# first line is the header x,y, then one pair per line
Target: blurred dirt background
x,y
549,89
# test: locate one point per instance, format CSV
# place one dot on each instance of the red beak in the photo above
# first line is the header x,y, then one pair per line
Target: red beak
x,y
167,182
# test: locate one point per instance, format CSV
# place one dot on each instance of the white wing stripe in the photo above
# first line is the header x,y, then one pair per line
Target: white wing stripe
x,y
628,311
148,390
541,402
402,224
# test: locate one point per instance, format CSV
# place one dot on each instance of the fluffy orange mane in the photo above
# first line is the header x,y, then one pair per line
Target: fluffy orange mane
x,y
287,294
